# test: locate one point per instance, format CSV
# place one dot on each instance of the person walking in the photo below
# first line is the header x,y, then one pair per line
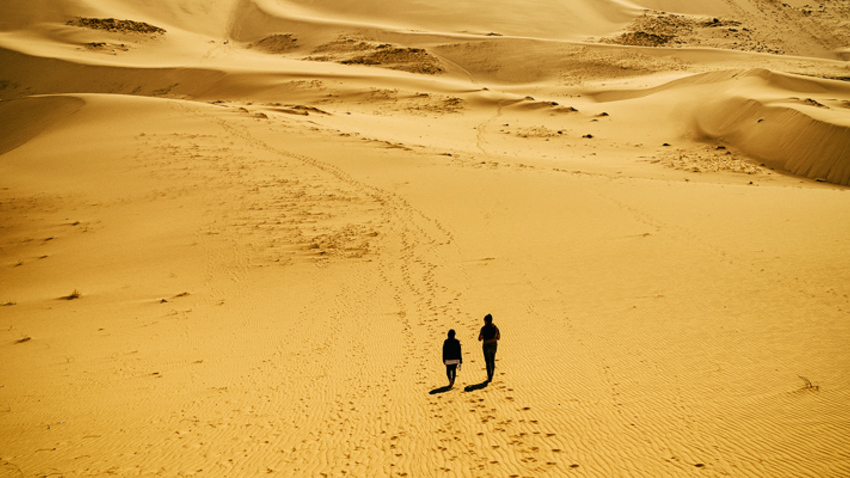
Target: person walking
x,y
490,337
452,356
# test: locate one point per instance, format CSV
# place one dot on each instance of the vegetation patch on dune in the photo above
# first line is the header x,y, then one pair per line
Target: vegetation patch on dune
x,y
414,60
426,103
105,47
301,110
114,25
642,38
344,45
357,52
828,22
709,160
278,43
392,101
660,29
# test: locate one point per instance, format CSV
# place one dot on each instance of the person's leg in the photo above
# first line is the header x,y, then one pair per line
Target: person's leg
x,y
487,360
451,373
490,360
491,366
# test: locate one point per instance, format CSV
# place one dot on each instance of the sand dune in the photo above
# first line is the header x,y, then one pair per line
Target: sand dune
x,y
753,111
234,234
795,136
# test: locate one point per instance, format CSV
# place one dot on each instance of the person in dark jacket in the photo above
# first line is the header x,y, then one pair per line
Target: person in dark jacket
x,y
489,337
452,357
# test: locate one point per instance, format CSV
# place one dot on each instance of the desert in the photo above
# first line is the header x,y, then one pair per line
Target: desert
x,y
234,235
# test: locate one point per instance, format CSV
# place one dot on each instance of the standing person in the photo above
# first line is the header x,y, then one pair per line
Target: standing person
x,y
490,337
452,356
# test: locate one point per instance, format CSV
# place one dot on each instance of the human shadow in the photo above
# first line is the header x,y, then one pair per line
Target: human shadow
x,y
440,390
477,386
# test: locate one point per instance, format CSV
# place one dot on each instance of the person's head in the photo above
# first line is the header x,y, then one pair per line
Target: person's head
x,y
488,319
452,333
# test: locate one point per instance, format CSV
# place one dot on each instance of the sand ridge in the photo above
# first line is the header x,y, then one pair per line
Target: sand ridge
x,y
234,246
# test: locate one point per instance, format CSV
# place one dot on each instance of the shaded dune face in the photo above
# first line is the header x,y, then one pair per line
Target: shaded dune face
x,y
788,137
24,119
796,124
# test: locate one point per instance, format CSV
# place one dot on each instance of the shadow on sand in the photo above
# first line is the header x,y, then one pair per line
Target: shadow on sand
x,y
440,390
477,386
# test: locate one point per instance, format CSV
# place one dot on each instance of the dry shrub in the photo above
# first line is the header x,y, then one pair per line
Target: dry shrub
x,y
279,43
113,25
73,295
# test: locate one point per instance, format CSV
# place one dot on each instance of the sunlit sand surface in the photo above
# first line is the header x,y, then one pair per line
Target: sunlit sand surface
x,y
234,234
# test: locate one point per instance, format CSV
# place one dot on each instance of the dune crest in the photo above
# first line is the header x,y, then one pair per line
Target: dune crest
x,y
543,19
800,139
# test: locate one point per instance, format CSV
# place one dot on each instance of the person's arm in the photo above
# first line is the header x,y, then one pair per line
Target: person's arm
x,y
481,336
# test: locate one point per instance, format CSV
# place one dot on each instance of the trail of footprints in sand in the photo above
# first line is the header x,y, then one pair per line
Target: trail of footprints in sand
x,y
474,429
468,425
464,425
458,423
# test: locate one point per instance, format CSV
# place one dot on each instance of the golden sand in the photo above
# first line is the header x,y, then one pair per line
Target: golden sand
x,y
234,234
